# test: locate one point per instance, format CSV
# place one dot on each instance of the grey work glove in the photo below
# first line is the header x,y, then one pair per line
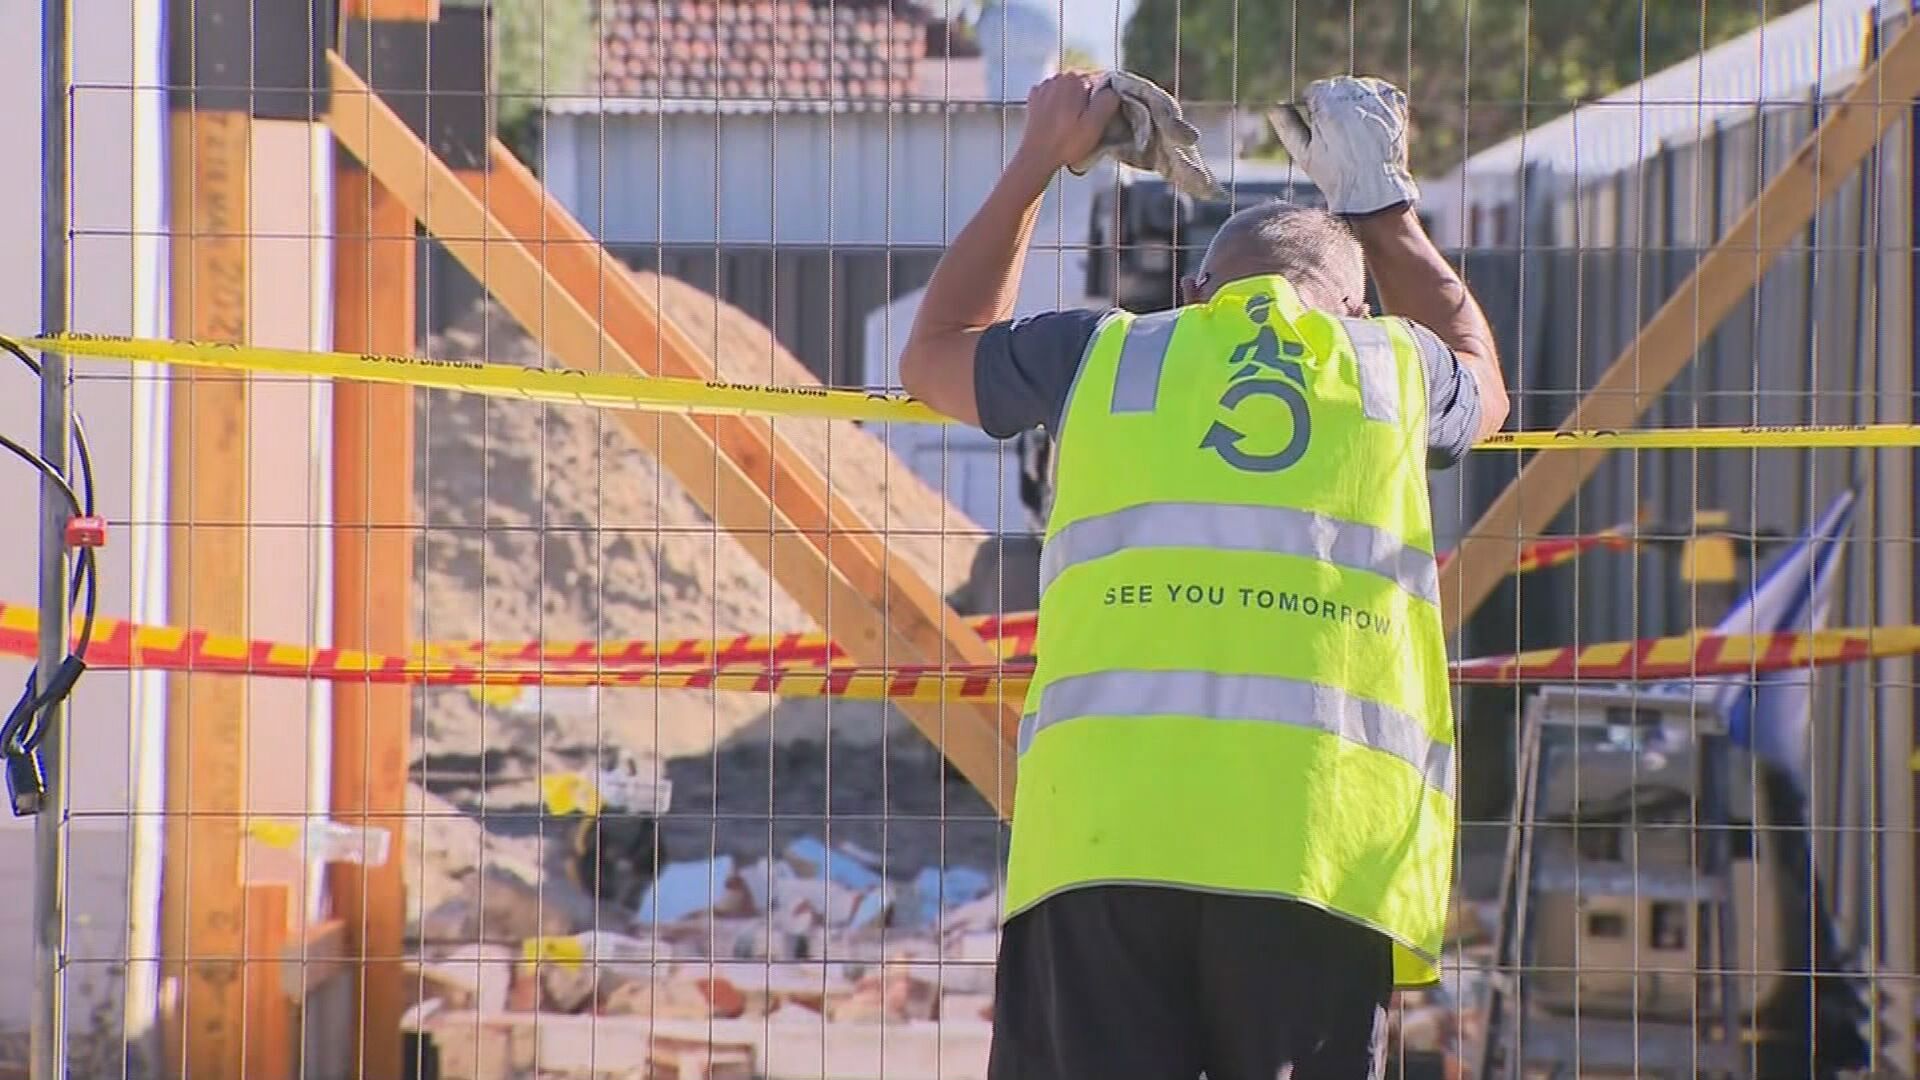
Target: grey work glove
x,y
1149,132
1351,140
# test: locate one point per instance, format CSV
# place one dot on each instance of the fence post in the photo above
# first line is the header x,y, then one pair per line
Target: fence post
x,y
48,1036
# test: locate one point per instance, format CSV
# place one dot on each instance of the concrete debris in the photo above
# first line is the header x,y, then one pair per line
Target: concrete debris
x,y
679,995
979,915
886,995
523,993
817,931
658,999
967,961
450,920
965,1007
684,1059
505,905
472,977
1470,924
571,988
815,935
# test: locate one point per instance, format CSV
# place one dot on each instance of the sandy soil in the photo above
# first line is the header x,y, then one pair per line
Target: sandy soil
x,y
549,522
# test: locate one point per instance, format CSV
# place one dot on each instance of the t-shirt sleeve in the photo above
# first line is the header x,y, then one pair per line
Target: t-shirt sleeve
x,y
1023,369
1453,400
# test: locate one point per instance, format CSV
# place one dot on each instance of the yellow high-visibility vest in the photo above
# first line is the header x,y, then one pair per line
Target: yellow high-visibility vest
x,y
1241,684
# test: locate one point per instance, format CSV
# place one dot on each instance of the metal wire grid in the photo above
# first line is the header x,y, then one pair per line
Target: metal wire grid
x,y
1601,248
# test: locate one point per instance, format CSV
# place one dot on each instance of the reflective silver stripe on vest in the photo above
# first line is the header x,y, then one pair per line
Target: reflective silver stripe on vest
x,y
1281,530
1261,698
1136,381
1379,381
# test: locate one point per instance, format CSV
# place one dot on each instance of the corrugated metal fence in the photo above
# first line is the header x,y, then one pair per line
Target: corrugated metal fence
x,y
1826,338
1802,348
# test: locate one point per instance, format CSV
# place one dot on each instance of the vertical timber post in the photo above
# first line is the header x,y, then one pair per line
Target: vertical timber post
x,y
48,1034
373,521
373,589
208,564
372,599
208,569
234,68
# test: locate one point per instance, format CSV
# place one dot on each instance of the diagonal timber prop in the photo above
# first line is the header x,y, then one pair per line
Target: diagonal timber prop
x,y
1883,93
844,584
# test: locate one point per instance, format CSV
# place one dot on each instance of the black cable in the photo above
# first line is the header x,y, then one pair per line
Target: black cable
x,y
23,731
79,430
46,470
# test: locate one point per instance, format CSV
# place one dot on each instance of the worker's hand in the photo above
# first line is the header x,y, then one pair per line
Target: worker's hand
x,y
1351,140
1066,119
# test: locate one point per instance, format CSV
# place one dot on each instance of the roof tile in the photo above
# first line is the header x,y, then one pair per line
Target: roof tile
x,y
849,50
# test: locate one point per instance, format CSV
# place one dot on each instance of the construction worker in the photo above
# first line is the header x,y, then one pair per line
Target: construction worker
x,y
1233,828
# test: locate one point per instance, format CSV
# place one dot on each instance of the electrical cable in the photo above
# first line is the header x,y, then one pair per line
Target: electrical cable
x,y
79,430
23,730
84,575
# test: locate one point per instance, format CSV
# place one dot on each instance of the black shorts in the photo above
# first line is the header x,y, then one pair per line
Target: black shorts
x,y
1121,982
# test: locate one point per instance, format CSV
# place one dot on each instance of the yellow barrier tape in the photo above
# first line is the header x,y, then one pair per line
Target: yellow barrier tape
x,y
564,387
568,387
1761,437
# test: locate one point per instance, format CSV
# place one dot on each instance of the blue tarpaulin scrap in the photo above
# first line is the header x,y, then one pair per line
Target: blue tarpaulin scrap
x,y
838,867
688,888
935,890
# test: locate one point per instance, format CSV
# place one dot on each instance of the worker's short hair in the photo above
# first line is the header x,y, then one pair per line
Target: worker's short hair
x,y
1311,248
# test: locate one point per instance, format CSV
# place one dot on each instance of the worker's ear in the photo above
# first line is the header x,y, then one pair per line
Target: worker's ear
x,y
1193,289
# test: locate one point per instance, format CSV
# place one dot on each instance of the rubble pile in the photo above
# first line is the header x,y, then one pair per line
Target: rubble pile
x,y
792,945
813,927
1438,1033
729,958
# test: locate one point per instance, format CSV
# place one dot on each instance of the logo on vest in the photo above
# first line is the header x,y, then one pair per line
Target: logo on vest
x,y
1264,366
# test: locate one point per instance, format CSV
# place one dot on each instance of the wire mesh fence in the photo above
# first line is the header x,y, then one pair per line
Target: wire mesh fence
x,y
639,869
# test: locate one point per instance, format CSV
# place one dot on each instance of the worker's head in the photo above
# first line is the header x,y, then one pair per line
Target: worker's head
x,y
1312,249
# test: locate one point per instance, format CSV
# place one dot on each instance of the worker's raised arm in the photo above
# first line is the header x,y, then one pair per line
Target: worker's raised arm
x,y
1351,139
975,284
1416,282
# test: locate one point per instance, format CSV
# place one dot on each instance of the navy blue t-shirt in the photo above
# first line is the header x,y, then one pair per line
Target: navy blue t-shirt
x,y
1023,369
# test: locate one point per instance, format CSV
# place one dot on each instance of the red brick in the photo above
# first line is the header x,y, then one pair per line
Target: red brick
x,y
724,998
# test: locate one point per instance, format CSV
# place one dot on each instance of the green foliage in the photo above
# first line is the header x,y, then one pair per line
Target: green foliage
x,y
541,48
1075,58
1476,71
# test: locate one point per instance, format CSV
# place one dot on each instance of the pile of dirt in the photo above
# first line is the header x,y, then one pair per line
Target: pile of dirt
x,y
550,522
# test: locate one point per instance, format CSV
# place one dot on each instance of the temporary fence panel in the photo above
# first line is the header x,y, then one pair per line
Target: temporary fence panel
x,y
680,743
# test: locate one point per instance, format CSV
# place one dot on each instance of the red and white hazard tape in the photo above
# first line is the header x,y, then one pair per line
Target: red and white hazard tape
x,y
123,645
1012,634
